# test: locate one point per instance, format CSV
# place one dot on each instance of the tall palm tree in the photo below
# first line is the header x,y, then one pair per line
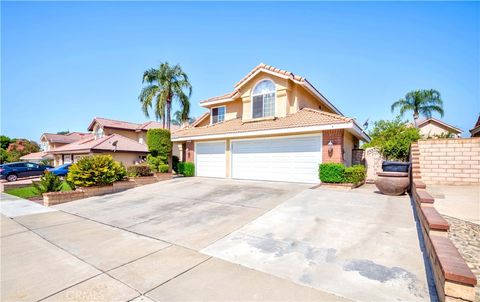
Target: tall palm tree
x,y
423,102
165,85
178,119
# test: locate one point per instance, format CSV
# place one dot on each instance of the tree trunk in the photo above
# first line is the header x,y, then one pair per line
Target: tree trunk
x,y
415,118
169,108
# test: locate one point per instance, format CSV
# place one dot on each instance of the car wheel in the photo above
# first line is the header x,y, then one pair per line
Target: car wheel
x,y
12,177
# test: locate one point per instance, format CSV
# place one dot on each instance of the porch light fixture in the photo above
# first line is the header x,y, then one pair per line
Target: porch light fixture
x,y
330,147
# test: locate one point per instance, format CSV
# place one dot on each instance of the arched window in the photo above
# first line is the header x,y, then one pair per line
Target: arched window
x,y
98,131
263,99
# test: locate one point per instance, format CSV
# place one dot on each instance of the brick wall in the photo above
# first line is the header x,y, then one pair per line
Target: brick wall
x,y
450,161
336,137
190,151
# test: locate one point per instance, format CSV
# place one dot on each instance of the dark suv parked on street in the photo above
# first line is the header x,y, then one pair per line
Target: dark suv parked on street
x,y
14,171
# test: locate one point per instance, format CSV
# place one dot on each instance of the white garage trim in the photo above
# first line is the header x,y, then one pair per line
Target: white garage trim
x,y
311,156
211,170
270,132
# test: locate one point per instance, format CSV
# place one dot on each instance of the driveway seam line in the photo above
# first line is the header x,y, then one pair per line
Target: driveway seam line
x,y
133,232
178,275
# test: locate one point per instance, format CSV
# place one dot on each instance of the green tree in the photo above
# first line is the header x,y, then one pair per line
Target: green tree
x,y
165,85
63,132
5,141
393,138
420,102
177,119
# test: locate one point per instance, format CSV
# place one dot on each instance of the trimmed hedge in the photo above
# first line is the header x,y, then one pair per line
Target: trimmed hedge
x,y
139,170
186,168
332,172
338,173
355,174
159,142
95,170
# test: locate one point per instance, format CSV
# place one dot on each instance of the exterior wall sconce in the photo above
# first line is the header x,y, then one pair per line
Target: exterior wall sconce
x,y
330,148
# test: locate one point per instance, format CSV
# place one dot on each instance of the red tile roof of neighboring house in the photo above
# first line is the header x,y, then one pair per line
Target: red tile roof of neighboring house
x,y
36,156
123,144
64,138
424,122
109,123
303,118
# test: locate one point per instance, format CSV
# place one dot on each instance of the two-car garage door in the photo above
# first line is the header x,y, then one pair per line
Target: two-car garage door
x,y
283,159
293,159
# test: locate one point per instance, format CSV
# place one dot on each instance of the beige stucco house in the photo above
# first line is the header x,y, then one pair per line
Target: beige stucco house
x,y
125,141
432,128
274,125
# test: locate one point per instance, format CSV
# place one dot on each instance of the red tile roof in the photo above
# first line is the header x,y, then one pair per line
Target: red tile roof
x,y
109,123
65,138
304,118
272,69
123,144
36,156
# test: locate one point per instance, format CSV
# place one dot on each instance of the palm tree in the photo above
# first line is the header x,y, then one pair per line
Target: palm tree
x,y
165,85
177,118
423,102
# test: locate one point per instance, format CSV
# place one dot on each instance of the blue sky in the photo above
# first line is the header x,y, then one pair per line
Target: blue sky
x,y
64,63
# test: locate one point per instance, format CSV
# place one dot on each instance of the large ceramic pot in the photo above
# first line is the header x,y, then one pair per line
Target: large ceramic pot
x,y
392,183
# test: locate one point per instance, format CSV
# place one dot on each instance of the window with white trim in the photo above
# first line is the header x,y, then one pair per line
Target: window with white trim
x,y
98,131
263,99
218,114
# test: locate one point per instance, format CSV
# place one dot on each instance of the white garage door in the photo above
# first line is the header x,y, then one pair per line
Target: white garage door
x,y
293,159
210,159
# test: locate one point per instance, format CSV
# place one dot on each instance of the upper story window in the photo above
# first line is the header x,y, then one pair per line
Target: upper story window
x,y
218,114
45,146
263,99
98,131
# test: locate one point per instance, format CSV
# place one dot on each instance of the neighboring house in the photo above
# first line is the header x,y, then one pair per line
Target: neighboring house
x,y
274,125
475,132
431,128
38,157
50,141
125,141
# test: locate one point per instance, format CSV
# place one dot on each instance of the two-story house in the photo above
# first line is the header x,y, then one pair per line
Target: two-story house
x,y
125,141
274,126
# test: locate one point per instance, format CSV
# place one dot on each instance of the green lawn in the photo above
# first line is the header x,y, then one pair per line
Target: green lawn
x,y
30,191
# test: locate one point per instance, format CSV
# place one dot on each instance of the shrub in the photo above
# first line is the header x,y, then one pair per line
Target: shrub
x,y
139,170
188,169
393,138
154,162
180,167
49,182
355,174
159,143
95,170
163,168
332,172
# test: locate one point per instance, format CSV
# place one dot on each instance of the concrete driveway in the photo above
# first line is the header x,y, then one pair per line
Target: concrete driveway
x,y
214,239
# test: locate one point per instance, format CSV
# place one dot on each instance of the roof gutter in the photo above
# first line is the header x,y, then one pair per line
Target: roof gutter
x,y
349,125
